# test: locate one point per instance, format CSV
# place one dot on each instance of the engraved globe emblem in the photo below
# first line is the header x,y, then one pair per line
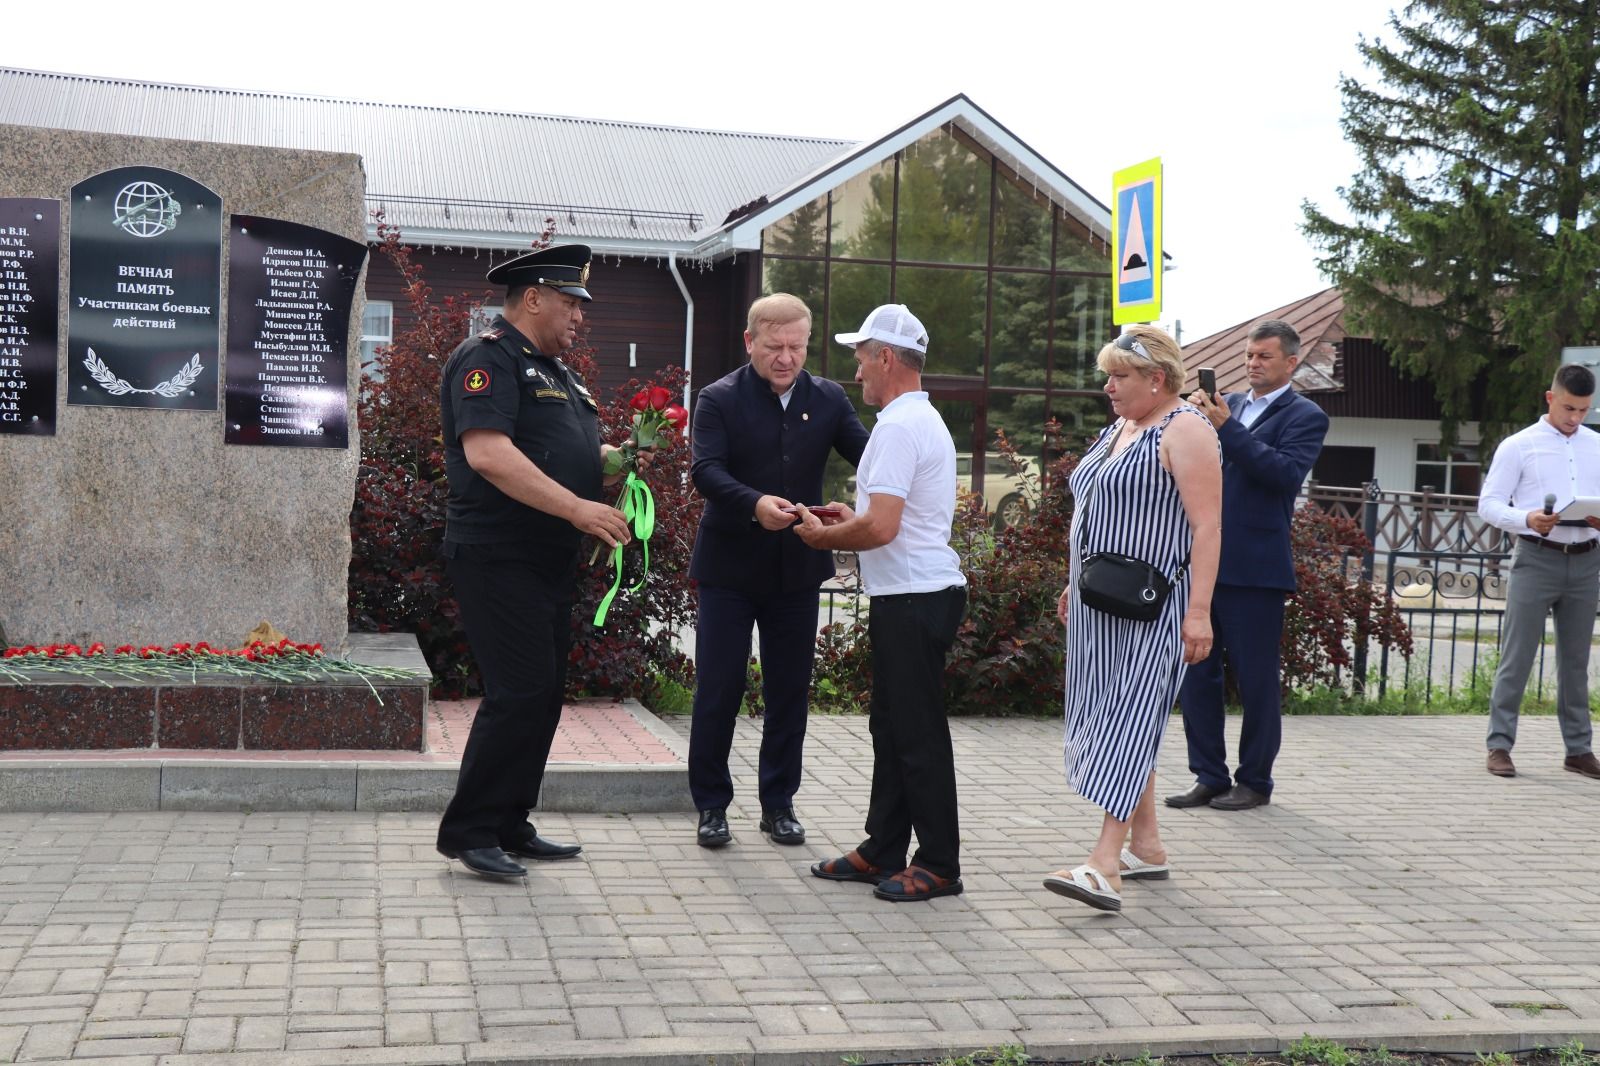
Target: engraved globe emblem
x,y
145,209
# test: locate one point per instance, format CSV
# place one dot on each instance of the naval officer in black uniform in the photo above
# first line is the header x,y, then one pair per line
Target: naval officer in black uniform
x,y
523,457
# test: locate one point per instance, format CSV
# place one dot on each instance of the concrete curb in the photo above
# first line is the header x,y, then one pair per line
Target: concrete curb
x,y
190,783
1467,1037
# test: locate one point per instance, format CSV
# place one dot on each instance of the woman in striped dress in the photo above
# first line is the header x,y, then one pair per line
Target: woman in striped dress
x,y
1150,487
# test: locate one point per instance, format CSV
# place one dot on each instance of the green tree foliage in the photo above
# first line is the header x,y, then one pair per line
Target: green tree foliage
x,y
1472,247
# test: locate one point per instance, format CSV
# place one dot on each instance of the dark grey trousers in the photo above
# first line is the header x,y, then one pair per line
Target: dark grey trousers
x,y
1543,581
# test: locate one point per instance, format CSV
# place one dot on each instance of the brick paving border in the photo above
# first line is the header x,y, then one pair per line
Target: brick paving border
x,y
1393,892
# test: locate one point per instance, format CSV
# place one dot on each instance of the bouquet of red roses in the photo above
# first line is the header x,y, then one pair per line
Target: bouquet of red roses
x,y
653,414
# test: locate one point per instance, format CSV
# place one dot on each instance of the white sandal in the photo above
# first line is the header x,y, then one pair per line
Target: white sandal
x,y
1086,885
1136,869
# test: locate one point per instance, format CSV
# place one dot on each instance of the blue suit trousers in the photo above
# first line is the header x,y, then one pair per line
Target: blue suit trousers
x,y
1247,626
787,623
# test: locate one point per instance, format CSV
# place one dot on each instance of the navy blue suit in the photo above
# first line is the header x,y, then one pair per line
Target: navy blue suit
x,y
1263,468
747,445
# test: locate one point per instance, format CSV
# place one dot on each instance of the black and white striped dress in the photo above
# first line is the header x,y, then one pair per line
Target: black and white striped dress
x,y
1123,675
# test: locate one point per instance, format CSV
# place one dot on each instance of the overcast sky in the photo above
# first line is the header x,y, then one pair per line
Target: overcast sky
x,y
1240,99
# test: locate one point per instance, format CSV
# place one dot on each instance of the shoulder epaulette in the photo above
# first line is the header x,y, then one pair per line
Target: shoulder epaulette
x,y
491,334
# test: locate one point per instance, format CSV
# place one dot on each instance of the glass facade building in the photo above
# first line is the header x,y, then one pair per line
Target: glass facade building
x,y
1014,291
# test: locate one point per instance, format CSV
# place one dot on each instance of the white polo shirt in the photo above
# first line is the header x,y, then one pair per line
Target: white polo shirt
x,y
910,455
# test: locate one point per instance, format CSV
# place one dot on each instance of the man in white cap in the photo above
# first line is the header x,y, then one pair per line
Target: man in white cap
x,y
905,504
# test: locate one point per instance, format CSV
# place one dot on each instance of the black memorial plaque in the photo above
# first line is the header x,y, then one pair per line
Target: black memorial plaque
x,y
30,289
290,288
146,273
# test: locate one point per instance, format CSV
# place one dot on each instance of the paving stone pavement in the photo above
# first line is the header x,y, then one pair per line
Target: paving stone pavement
x,y
1393,891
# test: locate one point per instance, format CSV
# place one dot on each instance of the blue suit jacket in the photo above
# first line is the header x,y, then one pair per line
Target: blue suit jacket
x,y
1262,470
747,445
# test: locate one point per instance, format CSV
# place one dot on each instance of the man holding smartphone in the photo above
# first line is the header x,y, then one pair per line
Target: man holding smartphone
x,y
1270,437
761,439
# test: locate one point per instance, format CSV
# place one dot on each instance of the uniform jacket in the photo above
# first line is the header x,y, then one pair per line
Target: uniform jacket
x,y
497,380
1263,468
746,445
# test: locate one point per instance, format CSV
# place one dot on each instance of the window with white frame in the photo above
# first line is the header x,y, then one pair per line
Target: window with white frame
x,y
1454,469
482,318
377,329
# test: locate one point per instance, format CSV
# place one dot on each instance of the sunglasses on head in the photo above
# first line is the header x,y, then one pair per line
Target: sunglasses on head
x,y
1129,343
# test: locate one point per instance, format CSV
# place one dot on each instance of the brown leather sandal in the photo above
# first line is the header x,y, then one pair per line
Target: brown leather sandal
x,y
914,883
850,867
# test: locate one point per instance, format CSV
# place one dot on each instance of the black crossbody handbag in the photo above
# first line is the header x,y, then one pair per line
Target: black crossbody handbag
x,y
1119,584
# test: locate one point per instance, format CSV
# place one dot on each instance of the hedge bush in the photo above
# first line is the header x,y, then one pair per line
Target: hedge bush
x,y
397,579
1008,656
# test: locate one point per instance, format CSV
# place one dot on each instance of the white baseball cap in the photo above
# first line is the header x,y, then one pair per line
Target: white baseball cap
x,y
891,324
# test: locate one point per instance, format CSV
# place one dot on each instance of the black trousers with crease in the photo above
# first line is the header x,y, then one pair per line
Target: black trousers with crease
x,y
516,608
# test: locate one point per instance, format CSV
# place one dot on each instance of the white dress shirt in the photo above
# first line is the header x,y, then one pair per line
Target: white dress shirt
x,y
1255,407
1536,462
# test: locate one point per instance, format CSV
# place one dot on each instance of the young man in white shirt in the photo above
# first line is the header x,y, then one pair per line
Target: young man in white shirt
x,y
1554,565
905,505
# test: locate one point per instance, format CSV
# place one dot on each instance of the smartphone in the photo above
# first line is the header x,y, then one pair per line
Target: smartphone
x,y
1208,381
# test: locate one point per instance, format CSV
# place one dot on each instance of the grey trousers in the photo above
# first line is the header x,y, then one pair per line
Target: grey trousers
x,y
1543,581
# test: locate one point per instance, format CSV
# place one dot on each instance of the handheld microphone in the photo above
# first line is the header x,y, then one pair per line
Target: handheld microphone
x,y
1549,503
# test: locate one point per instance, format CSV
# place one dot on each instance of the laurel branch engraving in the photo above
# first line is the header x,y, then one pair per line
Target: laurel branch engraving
x,y
173,387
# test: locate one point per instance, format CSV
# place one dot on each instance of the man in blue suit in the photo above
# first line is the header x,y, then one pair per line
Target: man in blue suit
x,y
762,435
1270,437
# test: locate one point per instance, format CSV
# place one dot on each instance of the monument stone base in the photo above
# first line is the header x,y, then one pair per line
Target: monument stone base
x,y
226,714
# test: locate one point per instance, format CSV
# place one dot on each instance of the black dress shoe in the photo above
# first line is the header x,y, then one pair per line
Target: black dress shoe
x,y
537,847
713,831
487,862
1240,798
1198,796
782,826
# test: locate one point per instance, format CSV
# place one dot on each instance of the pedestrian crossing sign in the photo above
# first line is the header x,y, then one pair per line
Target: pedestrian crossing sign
x,y
1136,243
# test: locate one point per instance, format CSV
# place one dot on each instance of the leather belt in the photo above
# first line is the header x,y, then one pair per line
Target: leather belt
x,y
1565,549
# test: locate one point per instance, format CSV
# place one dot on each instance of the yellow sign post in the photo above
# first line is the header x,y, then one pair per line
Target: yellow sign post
x,y
1136,243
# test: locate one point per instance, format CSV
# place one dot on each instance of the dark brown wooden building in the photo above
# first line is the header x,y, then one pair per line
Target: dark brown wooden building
x,y
1383,424
1003,256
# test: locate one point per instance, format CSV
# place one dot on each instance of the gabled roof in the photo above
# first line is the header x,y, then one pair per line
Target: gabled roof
x,y
742,230
453,176
1318,318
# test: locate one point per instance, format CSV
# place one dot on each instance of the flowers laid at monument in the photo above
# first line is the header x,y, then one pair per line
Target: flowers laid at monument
x,y
282,661
657,422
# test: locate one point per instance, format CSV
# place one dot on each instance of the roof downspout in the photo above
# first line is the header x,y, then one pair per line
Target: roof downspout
x,y
688,325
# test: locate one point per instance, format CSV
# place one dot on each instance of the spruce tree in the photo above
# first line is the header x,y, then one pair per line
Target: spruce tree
x,y
1472,246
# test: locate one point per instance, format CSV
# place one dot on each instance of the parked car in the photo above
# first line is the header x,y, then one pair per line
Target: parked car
x,y
1007,495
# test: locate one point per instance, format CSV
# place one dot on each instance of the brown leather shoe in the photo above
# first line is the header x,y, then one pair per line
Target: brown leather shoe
x,y
1585,764
1500,763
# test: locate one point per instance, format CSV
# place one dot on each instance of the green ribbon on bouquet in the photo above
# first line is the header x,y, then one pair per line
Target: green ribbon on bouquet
x,y
638,509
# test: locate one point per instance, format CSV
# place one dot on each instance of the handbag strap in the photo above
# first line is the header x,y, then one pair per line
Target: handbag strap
x,y
1094,490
